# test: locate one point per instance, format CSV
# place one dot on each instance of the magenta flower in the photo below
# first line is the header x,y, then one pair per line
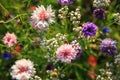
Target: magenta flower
x,y
10,39
65,2
66,53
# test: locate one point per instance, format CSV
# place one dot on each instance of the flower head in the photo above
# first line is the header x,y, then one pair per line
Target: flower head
x,y
41,17
23,70
92,61
105,30
65,2
6,55
66,53
99,13
108,46
89,29
10,39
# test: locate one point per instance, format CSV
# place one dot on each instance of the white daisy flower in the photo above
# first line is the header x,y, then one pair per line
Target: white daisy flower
x,y
23,70
41,17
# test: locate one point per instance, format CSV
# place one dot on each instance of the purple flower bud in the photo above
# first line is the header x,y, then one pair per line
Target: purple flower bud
x,y
6,55
105,30
65,2
99,13
50,66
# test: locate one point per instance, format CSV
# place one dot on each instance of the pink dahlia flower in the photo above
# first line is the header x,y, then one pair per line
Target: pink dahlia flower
x,y
66,53
23,70
10,39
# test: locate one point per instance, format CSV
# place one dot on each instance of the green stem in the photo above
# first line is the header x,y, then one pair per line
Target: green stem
x,y
4,8
13,18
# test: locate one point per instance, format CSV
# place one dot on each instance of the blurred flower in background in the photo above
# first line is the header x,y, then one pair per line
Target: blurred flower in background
x,y
32,7
89,29
41,17
91,74
99,13
117,18
108,46
105,73
101,3
10,39
18,48
23,70
105,30
65,2
92,61
6,55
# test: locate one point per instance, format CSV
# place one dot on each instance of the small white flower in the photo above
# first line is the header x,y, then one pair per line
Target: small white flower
x,y
41,17
117,18
101,3
23,70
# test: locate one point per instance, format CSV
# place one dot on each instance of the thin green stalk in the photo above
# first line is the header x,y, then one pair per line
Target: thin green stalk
x,y
4,8
4,22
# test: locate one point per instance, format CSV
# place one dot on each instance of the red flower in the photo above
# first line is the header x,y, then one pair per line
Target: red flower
x,y
18,48
33,7
92,61
91,74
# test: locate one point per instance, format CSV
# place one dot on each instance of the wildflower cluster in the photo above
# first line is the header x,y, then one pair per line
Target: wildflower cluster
x,y
63,12
101,3
117,18
105,74
55,42
75,16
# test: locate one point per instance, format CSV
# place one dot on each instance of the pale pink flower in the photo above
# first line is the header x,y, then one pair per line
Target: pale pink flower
x,y
66,53
23,70
10,39
42,17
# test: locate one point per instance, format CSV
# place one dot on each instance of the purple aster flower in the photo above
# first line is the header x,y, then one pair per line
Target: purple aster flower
x,y
105,30
99,13
6,55
108,46
89,29
65,2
